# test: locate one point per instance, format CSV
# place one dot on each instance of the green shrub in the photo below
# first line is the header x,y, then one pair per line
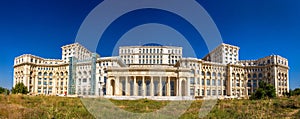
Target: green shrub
x,y
264,91
19,88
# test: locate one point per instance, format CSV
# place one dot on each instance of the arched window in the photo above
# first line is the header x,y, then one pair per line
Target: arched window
x,y
202,73
45,74
208,74
233,74
249,75
219,75
285,76
61,73
40,73
237,75
51,74
214,74
66,73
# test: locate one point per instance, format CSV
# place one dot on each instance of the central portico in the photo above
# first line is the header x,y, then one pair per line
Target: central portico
x,y
146,81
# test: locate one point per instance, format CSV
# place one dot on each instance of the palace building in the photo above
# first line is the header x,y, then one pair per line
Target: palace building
x,y
150,71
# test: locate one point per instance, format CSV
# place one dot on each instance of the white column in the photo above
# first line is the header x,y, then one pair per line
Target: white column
x,y
169,87
54,86
179,87
188,88
287,81
117,86
36,85
205,85
126,86
276,80
160,86
222,93
240,92
152,87
134,86
246,85
143,86
108,87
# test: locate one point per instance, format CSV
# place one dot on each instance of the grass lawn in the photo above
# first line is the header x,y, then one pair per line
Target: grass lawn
x,y
22,106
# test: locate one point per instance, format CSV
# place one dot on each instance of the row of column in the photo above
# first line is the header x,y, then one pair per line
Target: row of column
x,y
115,87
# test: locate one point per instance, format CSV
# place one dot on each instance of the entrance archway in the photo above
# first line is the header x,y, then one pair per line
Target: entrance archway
x,y
112,83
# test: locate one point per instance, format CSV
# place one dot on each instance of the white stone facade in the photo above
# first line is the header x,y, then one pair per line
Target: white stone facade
x,y
150,55
150,71
224,54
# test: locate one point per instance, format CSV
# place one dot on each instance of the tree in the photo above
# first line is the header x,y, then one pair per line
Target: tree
x,y
294,92
264,91
19,88
4,91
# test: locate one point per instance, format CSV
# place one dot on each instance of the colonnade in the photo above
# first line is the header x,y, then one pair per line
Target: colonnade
x,y
146,86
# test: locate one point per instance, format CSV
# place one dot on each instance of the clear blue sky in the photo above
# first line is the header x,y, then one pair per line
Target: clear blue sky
x,y
259,27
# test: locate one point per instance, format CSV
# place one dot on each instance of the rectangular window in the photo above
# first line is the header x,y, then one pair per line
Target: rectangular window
x,y
238,84
254,83
192,80
208,82
84,80
208,92
213,82
213,92
192,91
249,83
